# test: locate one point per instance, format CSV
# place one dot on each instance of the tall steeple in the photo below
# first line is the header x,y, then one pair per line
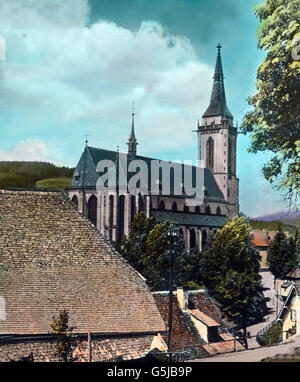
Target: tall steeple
x,y
132,143
217,106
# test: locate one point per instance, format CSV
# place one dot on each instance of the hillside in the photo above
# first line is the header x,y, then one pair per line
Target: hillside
x,y
34,175
272,225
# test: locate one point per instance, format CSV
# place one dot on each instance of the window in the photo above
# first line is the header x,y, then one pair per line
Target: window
x,y
204,239
218,211
210,153
132,207
174,206
92,209
207,210
186,209
197,210
75,200
162,205
192,239
121,215
293,315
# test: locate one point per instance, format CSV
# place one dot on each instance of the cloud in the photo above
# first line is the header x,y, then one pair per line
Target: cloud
x,y
63,75
30,150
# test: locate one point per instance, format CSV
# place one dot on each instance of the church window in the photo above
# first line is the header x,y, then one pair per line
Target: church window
x,y
174,206
141,203
162,205
197,210
121,215
92,209
210,153
208,211
111,216
75,200
186,209
204,239
218,211
192,239
132,206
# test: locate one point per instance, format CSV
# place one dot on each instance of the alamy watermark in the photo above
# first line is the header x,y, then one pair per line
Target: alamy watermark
x,y
154,177
2,49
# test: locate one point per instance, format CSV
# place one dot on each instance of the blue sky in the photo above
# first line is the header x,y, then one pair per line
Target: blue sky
x,y
75,66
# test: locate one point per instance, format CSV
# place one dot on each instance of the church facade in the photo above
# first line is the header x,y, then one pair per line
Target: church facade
x,y
112,210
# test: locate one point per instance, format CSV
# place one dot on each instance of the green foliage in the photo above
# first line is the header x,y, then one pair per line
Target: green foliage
x,y
230,272
27,175
272,336
282,256
64,336
147,248
274,119
54,184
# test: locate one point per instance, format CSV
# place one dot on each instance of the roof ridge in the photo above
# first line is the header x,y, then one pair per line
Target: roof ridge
x,y
29,191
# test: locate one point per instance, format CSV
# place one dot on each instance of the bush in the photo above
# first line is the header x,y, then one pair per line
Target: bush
x,y
272,336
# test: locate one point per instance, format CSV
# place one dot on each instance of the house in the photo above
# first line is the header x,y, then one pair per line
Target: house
x,y
289,315
261,240
198,329
53,258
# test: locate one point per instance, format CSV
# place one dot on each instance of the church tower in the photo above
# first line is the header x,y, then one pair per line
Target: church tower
x,y
217,140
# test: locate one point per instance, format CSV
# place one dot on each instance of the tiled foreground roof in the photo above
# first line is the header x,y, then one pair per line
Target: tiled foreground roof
x,y
184,334
53,258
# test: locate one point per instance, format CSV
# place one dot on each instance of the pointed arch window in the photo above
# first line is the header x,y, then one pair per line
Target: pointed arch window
x,y
218,211
92,209
210,153
162,205
174,207
121,215
192,239
197,210
75,200
208,210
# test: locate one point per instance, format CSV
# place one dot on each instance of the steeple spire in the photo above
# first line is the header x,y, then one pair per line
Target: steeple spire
x,y
132,143
217,104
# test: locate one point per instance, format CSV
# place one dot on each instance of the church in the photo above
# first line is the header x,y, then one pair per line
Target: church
x,y
112,210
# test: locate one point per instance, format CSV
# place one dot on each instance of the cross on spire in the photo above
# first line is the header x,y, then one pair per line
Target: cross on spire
x,y
86,138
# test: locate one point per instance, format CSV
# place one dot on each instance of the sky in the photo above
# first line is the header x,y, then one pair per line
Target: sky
x,y
74,67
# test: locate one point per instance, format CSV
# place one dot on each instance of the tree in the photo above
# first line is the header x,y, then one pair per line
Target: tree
x,y
230,272
147,249
274,121
64,336
281,255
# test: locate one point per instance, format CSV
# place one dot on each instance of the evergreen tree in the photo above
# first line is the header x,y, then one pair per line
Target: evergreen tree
x,y
230,272
64,337
281,254
147,248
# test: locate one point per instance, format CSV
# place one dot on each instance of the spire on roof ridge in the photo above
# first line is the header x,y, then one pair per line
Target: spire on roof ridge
x,y
132,143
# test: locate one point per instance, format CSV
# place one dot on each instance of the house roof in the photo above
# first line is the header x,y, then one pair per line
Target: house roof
x,y
184,333
203,317
53,258
92,156
262,238
200,300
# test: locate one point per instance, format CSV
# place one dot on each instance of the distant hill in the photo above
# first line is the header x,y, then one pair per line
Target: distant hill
x,y
280,216
271,225
34,175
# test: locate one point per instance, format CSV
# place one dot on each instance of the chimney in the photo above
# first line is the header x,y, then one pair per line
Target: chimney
x,y
183,298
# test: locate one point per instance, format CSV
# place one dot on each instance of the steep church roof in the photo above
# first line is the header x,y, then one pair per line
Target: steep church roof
x,y
52,258
92,156
217,104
